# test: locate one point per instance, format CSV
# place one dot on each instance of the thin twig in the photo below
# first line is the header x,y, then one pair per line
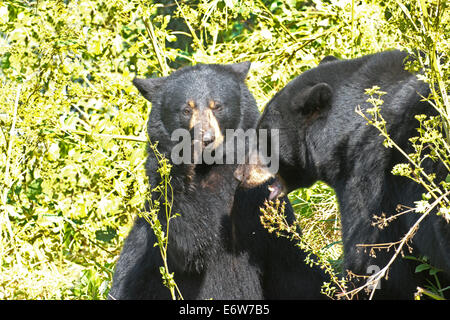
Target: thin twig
x,y
194,35
12,134
111,136
421,291
156,49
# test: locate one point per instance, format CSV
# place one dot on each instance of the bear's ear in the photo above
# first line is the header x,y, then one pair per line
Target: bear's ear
x,y
311,100
328,59
149,87
241,68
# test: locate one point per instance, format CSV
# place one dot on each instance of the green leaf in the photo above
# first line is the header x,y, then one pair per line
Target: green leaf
x,y
106,235
434,271
447,179
34,189
422,267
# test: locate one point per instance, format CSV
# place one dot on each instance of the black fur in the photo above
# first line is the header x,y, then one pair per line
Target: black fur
x,y
217,246
322,138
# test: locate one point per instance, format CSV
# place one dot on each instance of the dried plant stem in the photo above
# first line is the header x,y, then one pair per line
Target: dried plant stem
x,y
373,280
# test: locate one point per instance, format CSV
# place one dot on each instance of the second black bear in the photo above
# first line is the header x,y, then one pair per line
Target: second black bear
x,y
217,247
323,138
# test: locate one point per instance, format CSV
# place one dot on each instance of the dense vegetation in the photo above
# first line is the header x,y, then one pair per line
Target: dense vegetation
x,y
72,126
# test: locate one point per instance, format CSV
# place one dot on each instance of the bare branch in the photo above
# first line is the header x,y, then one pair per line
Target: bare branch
x,y
374,279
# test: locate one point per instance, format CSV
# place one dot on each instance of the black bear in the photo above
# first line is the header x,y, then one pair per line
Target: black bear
x,y
323,138
217,247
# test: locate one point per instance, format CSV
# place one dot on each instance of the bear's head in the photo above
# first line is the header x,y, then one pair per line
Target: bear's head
x,y
293,112
204,100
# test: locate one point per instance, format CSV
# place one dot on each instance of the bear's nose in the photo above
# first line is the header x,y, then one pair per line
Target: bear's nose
x,y
208,138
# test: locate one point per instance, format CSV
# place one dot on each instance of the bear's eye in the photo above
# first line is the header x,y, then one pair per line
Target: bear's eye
x,y
218,107
187,111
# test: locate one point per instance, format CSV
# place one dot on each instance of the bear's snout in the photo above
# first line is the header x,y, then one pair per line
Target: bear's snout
x,y
252,173
208,138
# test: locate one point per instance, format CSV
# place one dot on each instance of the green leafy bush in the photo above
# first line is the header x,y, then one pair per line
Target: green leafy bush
x,y
72,126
